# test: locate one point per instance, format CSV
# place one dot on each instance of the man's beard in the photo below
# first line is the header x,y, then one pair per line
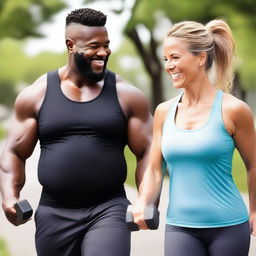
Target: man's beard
x,y
84,67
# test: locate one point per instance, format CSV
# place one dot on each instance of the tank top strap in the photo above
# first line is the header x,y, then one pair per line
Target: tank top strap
x,y
216,114
172,111
53,83
109,88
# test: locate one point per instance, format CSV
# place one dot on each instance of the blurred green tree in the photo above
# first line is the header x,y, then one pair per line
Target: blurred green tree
x,y
11,69
17,69
20,19
42,63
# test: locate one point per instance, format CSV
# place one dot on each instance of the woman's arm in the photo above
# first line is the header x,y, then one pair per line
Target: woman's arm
x,y
150,187
243,131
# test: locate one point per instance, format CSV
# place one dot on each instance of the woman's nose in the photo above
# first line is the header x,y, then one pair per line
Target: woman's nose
x,y
170,65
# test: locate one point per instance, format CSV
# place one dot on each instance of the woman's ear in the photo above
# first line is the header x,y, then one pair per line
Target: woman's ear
x,y
202,58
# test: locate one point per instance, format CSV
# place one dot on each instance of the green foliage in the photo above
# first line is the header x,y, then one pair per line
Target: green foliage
x,y
14,13
13,59
42,63
20,19
201,10
49,7
12,68
18,68
126,63
243,28
175,10
8,93
3,248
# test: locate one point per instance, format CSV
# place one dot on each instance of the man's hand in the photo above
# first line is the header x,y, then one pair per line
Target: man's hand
x,y
10,212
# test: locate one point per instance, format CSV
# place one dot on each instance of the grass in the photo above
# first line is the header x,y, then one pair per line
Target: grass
x,y
3,248
239,171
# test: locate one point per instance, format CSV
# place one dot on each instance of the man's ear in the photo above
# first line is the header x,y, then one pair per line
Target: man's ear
x,y
70,45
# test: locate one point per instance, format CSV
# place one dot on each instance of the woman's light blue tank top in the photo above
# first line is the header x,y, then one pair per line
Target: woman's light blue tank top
x,y
202,192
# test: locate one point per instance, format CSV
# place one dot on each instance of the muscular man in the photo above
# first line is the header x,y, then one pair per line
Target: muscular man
x,y
83,115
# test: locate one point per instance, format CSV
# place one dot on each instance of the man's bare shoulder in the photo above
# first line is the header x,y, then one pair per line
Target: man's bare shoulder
x,y
30,98
125,87
131,98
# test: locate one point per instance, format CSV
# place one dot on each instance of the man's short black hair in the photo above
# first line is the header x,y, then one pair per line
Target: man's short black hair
x,y
87,17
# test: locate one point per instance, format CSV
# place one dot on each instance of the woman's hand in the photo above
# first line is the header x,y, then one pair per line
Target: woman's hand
x,y
138,210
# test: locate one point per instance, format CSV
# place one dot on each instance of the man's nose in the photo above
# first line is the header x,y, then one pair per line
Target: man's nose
x,y
102,52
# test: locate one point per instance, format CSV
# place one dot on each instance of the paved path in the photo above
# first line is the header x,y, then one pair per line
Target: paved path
x,y
20,239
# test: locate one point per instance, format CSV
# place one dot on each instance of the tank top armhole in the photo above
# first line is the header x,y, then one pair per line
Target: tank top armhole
x,y
50,76
220,112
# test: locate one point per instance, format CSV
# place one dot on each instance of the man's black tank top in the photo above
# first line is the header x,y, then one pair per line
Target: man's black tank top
x,y
82,145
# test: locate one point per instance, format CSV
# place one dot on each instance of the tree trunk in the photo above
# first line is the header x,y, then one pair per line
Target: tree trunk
x,y
157,90
152,65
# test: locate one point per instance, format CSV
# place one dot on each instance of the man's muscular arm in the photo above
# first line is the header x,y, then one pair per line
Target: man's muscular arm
x,y
136,107
21,141
140,134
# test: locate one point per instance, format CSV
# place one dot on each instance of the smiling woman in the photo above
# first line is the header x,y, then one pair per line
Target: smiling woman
x,y
178,62
195,135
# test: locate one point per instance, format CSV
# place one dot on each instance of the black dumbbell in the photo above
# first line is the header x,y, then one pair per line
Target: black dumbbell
x,y
151,217
23,210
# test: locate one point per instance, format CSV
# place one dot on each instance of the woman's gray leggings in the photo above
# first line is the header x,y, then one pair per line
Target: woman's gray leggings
x,y
224,241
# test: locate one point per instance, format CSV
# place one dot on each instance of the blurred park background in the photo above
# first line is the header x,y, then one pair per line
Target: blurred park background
x,y
32,43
